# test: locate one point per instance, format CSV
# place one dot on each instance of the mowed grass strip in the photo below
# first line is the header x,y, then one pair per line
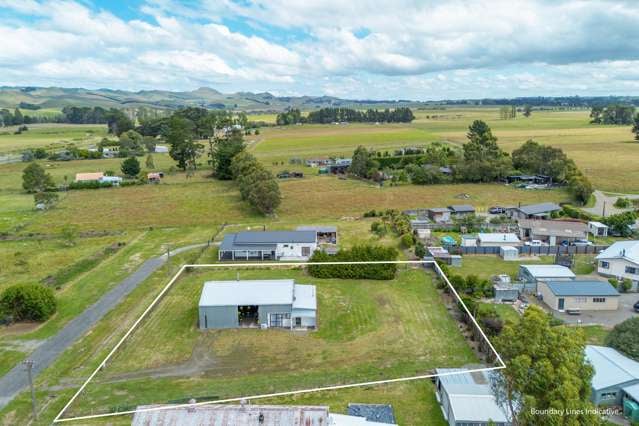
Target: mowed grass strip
x,y
368,330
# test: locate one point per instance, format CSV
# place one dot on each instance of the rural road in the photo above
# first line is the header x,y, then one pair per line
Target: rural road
x,y
608,201
16,380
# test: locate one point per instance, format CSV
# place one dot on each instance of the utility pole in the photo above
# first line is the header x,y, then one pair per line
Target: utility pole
x,y
29,366
603,212
168,260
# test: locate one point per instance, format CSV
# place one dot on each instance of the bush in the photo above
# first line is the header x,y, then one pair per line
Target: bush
x,y
625,285
27,302
92,184
614,282
364,253
420,250
624,337
622,203
406,240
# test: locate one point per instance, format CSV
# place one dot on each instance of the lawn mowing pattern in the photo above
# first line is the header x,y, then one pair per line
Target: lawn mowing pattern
x,y
255,361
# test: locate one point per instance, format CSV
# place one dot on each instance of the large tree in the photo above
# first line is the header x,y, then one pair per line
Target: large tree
x,y
224,149
545,369
130,167
635,127
183,147
483,159
35,179
625,338
360,163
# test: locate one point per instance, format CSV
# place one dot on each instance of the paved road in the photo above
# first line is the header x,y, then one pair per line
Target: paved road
x,y
608,201
16,379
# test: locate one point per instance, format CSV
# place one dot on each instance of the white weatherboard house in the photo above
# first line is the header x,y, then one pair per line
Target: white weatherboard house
x,y
466,399
257,303
620,260
269,245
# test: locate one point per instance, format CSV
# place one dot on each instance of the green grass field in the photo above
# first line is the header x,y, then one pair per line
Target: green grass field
x,y
50,136
368,330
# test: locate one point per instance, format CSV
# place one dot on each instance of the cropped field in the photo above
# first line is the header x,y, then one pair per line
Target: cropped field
x,y
368,330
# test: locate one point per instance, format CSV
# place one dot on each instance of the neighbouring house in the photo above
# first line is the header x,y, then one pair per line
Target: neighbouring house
x,y
620,260
461,210
466,398
318,162
553,232
509,253
615,380
529,179
598,229
110,152
257,303
579,295
340,165
439,214
420,223
496,239
533,211
536,273
325,234
154,177
161,149
268,245
244,415
89,177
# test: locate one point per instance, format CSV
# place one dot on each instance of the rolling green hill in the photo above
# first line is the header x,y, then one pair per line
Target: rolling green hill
x,y
57,97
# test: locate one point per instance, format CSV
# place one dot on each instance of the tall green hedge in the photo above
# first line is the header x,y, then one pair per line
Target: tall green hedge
x,y
364,253
27,302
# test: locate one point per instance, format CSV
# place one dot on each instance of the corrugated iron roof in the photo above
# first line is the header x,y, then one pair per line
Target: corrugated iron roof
x,y
582,288
548,271
611,367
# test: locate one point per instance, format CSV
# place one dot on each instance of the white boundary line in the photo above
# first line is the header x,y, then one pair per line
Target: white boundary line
x,y
59,419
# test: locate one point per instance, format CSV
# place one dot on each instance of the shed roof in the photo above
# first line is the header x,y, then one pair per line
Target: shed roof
x,y
582,288
539,208
317,228
496,237
558,228
548,271
471,398
611,367
80,177
232,415
275,237
381,413
439,210
628,250
597,224
509,248
247,292
305,297
462,208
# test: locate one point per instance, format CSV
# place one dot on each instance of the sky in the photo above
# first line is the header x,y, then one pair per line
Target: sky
x,y
356,49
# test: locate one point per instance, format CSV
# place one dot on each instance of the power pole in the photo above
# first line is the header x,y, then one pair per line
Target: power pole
x,y
29,366
168,260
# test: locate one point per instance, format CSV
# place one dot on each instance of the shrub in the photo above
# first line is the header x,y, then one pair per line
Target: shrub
x,y
406,240
27,302
626,285
420,250
622,203
364,253
625,338
614,282
91,184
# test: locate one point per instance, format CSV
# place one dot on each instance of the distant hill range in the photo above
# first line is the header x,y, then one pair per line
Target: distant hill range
x,y
58,97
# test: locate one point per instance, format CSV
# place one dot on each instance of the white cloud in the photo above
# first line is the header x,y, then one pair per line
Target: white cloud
x,y
359,48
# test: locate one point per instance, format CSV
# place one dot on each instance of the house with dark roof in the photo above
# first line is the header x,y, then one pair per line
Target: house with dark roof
x,y
534,211
579,295
461,209
552,232
269,245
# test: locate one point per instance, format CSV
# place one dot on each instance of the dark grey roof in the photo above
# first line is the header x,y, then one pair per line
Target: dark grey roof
x,y
380,413
582,288
317,228
539,208
461,208
265,240
228,244
439,209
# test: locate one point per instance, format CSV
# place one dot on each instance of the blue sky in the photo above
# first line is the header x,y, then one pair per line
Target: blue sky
x,y
365,49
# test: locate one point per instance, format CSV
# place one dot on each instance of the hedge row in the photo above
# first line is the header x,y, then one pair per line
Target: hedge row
x,y
382,271
27,302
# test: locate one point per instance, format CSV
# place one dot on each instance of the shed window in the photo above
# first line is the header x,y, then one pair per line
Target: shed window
x,y
599,299
608,395
581,299
631,270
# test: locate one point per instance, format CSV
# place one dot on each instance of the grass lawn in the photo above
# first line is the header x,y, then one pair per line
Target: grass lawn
x,y
504,311
485,266
368,330
51,136
595,334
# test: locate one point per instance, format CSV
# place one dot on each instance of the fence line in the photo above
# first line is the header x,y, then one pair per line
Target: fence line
x,y
531,250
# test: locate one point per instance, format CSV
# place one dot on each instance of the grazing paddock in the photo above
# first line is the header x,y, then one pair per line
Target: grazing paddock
x,y
50,136
368,330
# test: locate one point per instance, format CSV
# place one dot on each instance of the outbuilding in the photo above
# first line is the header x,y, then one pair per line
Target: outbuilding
x,y
616,377
579,295
536,273
439,214
325,234
598,229
257,303
509,252
461,209
534,211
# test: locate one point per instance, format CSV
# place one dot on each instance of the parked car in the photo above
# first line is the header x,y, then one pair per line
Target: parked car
x,y
636,306
582,243
535,243
496,210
